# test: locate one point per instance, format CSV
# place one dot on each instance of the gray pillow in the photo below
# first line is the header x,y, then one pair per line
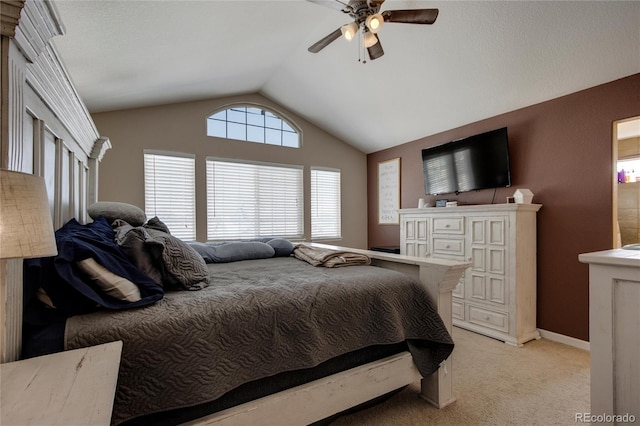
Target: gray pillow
x,y
112,210
183,266
233,251
282,247
155,223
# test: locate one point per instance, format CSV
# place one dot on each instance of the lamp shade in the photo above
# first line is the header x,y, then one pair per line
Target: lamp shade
x,y
26,229
349,31
370,39
374,22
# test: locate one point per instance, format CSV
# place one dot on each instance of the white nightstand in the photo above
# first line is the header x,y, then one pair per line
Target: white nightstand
x,y
74,387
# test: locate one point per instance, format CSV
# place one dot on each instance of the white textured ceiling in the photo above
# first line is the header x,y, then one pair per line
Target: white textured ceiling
x,y
480,59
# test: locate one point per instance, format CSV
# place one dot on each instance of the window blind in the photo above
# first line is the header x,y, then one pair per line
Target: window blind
x,y
325,204
169,192
249,200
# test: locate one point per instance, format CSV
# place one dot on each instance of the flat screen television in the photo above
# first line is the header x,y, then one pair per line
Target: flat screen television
x,y
476,162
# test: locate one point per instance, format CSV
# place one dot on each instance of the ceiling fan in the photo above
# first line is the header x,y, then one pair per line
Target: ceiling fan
x,y
367,17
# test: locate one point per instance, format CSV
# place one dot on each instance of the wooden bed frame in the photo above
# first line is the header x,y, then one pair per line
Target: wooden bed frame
x,y
47,131
330,395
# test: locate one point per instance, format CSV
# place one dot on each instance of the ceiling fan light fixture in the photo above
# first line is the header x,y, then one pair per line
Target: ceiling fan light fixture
x,y
369,39
374,22
349,31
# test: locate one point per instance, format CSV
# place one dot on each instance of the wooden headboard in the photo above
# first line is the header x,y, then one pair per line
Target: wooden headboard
x,y
46,131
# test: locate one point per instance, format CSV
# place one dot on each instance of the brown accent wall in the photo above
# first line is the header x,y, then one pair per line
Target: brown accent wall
x,y
562,151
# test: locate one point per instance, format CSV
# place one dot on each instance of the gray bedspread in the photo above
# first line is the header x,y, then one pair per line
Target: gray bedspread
x,y
256,319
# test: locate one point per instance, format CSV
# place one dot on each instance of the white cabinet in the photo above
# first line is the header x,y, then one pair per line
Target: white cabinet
x,y
497,295
614,334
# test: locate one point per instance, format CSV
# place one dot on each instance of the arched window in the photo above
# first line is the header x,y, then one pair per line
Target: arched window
x,y
253,124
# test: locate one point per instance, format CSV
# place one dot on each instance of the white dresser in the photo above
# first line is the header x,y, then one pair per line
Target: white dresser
x,y
497,294
614,335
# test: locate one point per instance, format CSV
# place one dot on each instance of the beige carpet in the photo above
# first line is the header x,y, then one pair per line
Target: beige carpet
x,y
541,383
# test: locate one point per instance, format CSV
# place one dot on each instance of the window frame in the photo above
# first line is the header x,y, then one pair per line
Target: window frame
x,y
245,122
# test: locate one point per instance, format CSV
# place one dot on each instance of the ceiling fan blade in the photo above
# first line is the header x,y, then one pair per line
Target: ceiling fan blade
x,y
376,50
324,42
414,16
333,4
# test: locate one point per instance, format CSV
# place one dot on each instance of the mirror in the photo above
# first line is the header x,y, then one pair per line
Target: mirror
x,y
626,182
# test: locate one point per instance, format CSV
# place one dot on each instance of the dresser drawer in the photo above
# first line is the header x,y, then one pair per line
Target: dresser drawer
x,y
448,225
488,318
448,246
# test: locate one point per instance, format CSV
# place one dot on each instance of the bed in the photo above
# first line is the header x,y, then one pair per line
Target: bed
x,y
50,133
263,324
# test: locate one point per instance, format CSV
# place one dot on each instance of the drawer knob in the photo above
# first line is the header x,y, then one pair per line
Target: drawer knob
x,y
447,226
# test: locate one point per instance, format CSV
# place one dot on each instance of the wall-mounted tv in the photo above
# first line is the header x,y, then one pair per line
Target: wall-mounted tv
x,y
476,162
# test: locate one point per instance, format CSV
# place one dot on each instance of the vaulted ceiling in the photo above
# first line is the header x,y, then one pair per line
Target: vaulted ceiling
x,y
479,59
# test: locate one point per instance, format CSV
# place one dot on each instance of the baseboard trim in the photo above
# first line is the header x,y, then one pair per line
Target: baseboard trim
x,y
567,340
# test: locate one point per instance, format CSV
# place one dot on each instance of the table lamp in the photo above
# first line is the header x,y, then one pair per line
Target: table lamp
x,y
26,231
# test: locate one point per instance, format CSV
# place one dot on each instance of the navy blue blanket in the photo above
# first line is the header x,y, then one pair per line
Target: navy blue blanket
x,y
63,282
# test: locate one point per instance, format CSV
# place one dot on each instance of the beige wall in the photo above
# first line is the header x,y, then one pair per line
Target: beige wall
x,y
182,128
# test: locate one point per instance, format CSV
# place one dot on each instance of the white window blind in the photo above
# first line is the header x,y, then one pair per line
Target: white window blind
x,y
248,200
169,192
325,204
